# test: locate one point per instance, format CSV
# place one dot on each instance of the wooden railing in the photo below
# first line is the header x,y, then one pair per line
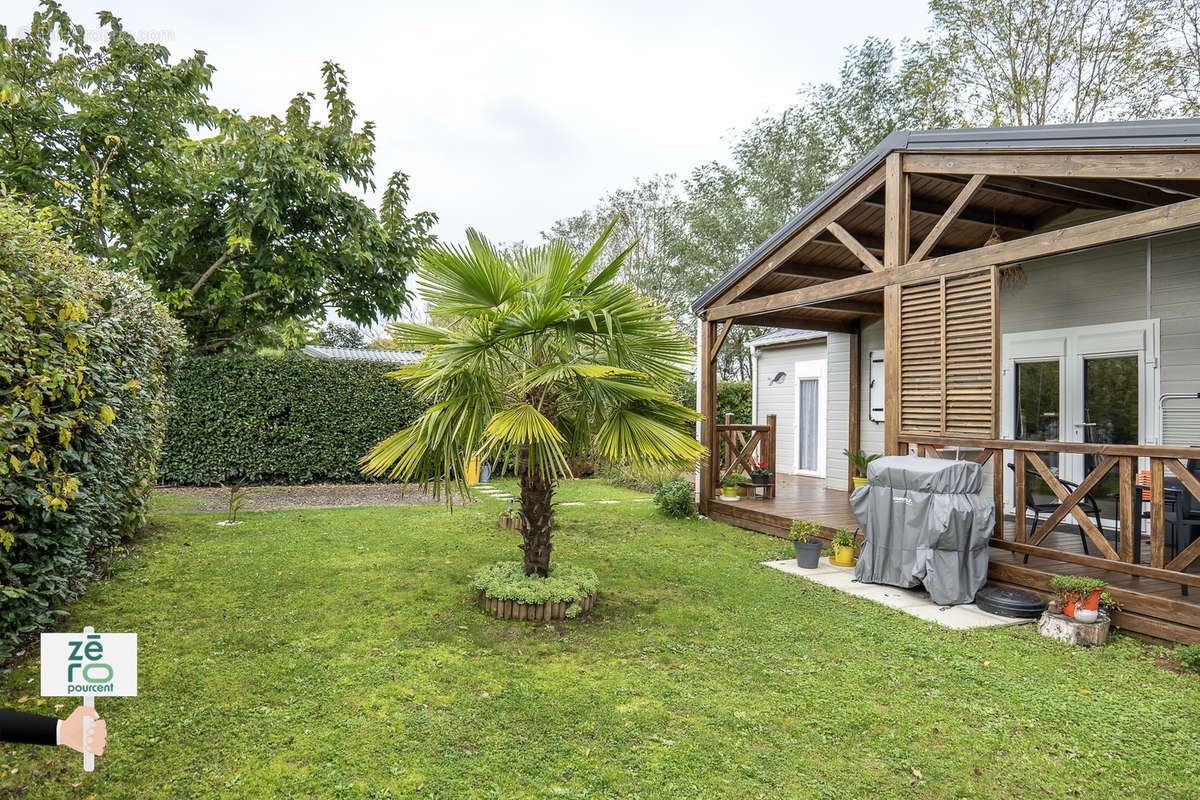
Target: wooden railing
x,y
739,447
1108,457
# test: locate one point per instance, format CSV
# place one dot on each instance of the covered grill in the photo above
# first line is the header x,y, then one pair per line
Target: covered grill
x,y
924,522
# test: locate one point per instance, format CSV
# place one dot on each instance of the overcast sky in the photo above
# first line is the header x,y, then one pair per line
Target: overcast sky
x,y
508,115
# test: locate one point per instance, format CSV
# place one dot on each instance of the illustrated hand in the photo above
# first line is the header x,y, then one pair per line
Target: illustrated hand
x,y
72,731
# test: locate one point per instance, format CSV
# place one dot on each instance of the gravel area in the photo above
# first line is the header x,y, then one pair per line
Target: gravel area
x,y
279,498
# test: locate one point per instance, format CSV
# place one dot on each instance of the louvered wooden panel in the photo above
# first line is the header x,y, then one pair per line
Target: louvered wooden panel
x,y
947,356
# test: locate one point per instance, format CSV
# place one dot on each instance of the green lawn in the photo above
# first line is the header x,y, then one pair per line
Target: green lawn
x,y
337,654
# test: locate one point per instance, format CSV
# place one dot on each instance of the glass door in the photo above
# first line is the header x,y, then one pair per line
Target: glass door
x,y
1038,395
808,415
1110,414
1094,384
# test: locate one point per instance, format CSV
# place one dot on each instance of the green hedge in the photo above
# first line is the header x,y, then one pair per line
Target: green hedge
x,y
84,354
279,419
732,397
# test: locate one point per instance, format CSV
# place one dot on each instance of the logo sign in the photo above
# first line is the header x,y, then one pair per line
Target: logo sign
x,y
98,664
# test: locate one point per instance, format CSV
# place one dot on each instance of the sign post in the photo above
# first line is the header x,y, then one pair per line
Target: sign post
x,y
89,664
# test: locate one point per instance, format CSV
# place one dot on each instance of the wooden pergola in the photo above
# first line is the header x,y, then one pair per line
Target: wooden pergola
x,y
917,234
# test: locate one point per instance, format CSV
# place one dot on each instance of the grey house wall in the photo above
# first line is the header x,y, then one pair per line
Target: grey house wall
x,y
780,398
1156,278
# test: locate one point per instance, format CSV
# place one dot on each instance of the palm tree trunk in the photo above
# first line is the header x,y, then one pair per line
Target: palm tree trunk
x,y
537,494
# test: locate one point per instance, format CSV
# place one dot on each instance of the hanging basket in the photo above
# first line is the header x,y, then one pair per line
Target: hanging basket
x,y
542,612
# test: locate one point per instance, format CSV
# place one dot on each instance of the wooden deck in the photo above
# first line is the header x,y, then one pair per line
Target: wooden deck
x,y
1153,607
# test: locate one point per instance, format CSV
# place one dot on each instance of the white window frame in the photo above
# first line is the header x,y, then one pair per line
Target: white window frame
x,y
809,370
1069,346
876,387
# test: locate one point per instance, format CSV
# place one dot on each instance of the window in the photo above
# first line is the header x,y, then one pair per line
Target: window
x,y
875,393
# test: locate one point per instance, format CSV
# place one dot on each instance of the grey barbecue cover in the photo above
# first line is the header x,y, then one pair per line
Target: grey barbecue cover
x,y
924,522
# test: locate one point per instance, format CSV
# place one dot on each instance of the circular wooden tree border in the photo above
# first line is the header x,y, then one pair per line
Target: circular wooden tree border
x,y
541,612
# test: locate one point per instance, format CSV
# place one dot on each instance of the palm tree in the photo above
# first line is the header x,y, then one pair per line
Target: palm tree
x,y
540,356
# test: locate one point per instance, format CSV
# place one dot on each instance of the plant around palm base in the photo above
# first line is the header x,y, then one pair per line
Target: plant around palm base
x,y
540,354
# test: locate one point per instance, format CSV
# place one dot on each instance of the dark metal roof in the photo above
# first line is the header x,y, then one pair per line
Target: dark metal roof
x,y
1159,134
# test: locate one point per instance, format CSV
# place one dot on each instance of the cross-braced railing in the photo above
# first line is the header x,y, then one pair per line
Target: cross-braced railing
x,y
739,448
1143,501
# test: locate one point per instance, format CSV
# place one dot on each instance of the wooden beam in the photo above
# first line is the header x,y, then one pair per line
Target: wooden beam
x,y
716,348
956,207
1147,166
1177,216
854,307
897,198
817,272
799,323
708,410
854,246
1134,450
976,215
891,370
872,244
1123,191
1185,188
1045,192
802,237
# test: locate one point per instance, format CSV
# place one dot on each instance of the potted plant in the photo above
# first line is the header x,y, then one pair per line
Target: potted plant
x,y
760,475
729,487
860,460
1080,596
808,545
844,542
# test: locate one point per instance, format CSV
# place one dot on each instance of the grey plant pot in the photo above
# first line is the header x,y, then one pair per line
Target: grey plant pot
x,y
808,554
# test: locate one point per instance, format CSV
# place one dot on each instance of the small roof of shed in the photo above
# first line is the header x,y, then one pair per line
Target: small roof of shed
x,y
363,354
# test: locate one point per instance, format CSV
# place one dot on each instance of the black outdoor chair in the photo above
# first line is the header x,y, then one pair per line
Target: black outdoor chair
x,y
1187,516
1087,503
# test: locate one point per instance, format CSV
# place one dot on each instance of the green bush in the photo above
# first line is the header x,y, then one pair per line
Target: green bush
x,y
279,419
733,397
675,499
506,580
84,354
1189,657
638,478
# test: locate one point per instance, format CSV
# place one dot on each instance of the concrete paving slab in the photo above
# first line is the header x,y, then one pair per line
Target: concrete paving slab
x,y
911,601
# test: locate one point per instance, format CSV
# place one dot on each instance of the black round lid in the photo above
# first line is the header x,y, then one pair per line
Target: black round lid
x,y
1009,602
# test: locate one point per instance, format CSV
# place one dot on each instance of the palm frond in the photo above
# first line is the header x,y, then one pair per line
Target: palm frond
x,y
631,435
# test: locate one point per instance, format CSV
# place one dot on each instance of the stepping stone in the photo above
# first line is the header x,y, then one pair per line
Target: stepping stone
x,y
572,503
608,501
642,500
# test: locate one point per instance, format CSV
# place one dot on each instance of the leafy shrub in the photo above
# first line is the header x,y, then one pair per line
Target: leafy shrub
x,y
506,580
805,531
733,397
638,478
675,499
1189,657
279,419
84,354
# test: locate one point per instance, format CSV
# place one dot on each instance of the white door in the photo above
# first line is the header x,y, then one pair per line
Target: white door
x,y
808,429
1095,384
